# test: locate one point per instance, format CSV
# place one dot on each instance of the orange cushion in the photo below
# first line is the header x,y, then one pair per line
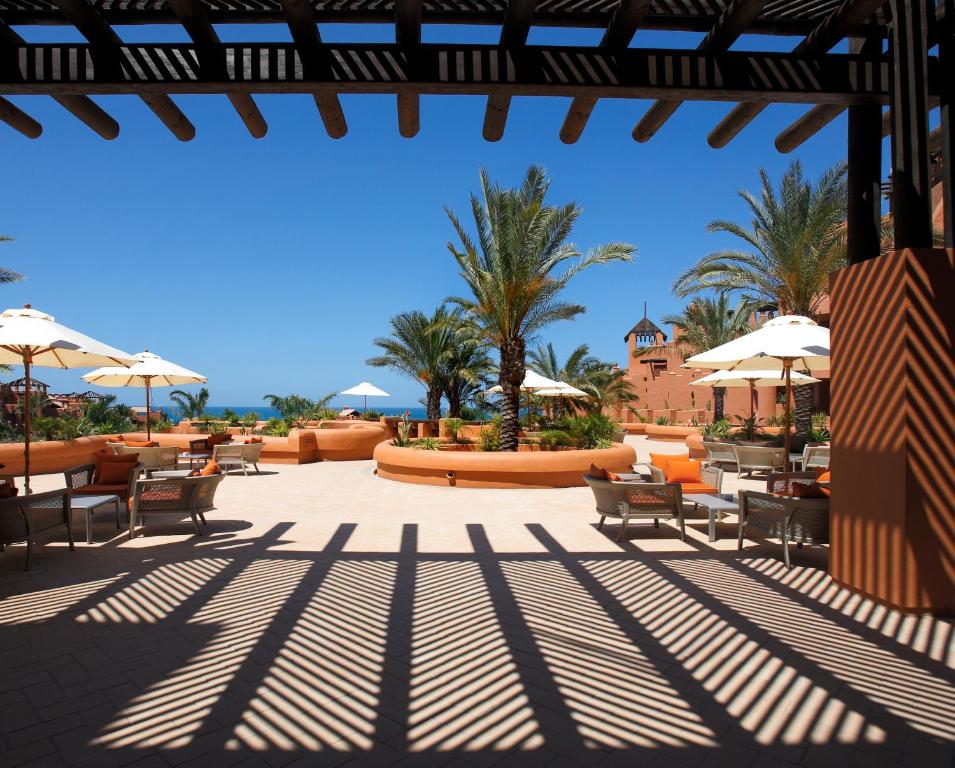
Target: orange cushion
x,y
114,472
697,488
660,460
114,439
597,473
683,471
211,468
809,491
252,440
824,477
142,443
101,458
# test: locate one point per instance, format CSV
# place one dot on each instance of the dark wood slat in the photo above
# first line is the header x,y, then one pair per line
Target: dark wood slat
x,y
946,132
808,125
839,24
195,20
315,63
514,32
19,120
737,17
911,178
82,108
106,44
864,204
408,37
620,31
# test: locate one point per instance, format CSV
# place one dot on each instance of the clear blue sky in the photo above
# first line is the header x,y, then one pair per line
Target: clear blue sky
x,y
270,265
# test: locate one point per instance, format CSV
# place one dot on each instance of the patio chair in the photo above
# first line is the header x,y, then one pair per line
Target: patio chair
x,y
755,458
240,456
781,484
711,480
173,494
815,456
153,457
790,518
719,453
630,500
23,518
82,481
207,444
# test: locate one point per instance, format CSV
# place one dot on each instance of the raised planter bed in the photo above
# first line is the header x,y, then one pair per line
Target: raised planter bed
x,y
668,432
476,469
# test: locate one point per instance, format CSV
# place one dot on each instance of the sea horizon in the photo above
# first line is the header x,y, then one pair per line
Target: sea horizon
x,y
267,412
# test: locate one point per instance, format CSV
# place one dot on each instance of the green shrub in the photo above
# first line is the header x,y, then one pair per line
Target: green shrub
x,y
556,437
276,427
427,444
663,421
719,428
231,417
403,438
372,415
819,428
604,443
590,428
748,427
453,426
489,438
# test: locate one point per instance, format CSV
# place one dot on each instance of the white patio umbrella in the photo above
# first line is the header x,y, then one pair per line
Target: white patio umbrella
x,y
366,390
533,383
148,371
563,389
780,344
751,379
29,337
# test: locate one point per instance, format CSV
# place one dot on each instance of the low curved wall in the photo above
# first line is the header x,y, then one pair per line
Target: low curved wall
x,y
347,443
666,432
635,428
476,469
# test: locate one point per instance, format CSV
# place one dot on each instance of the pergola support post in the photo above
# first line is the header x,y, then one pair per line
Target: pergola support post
x,y
864,209
893,424
946,53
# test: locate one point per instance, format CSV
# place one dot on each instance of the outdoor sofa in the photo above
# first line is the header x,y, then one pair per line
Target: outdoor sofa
x,y
23,518
628,500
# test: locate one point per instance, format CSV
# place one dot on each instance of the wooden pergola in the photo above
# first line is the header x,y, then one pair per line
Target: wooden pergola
x,y
892,54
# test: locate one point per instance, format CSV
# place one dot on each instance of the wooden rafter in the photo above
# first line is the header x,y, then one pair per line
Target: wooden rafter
x,y
19,120
620,31
106,46
81,107
315,63
736,19
408,37
514,32
839,24
195,21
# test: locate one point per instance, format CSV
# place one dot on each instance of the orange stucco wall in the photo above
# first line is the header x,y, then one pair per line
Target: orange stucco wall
x,y
475,469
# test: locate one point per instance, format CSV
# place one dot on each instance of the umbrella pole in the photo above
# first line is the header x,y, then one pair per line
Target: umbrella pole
x,y
752,396
366,406
148,428
787,367
27,358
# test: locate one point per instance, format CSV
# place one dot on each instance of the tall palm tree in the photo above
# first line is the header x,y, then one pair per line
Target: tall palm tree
x,y
795,241
608,388
512,272
417,348
298,410
8,276
708,323
189,405
466,368
574,371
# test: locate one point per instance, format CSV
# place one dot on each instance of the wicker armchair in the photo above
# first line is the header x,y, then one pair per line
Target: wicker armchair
x,y
756,458
711,477
22,518
173,494
804,521
628,501
79,481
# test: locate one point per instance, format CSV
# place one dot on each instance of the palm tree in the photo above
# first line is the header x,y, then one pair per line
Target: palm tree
x,y
795,241
190,406
466,368
512,274
608,388
8,276
708,323
298,410
575,369
417,348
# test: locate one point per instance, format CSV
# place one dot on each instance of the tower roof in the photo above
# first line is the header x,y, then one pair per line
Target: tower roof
x,y
645,327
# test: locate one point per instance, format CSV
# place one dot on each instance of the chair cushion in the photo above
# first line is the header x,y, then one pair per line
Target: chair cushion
x,y
809,491
213,440
142,443
824,476
101,489
113,472
697,488
597,473
660,460
211,468
103,458
253,440
683,471
7,490
114,439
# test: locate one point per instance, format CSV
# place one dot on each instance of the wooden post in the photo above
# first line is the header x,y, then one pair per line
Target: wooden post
x,y
27,360
864,211
911,179
946,54
148,428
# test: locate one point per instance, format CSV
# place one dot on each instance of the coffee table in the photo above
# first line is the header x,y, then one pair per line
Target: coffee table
x,y
714,505
192,458
90,503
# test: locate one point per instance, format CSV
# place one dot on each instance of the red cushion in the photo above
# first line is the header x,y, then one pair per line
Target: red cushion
x,y
114,472
597,473
683,471
102,458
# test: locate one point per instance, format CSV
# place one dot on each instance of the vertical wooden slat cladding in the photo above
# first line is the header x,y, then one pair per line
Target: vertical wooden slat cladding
x,y
893,425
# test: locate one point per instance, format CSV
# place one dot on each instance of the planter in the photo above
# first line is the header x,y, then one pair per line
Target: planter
x,y
521,469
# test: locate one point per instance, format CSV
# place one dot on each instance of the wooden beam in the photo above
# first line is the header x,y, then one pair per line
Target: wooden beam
x,y
106,46
408,37
19,120
192,14
83,108
514,32
837,25
620,31
911,179
808,125
736,19
946,131
315,63
864,182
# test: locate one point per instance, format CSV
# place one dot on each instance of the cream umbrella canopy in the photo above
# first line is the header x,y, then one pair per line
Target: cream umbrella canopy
x,y
780,344
366,390
29,337
148,371
533,383
751,379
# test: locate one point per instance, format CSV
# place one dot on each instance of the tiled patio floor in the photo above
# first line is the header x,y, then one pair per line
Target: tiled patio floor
x,y
332,618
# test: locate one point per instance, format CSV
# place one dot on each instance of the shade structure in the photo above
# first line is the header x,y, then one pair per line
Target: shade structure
x,y
563,389
366,390
532,382
781,344
751,379
29,337
148,371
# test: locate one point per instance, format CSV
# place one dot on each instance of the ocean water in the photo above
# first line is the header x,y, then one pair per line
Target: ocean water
x,y
265,412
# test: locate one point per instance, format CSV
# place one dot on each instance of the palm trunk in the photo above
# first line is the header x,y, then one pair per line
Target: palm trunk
x,y
511,379
454,403
434,403
718,394
804,407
